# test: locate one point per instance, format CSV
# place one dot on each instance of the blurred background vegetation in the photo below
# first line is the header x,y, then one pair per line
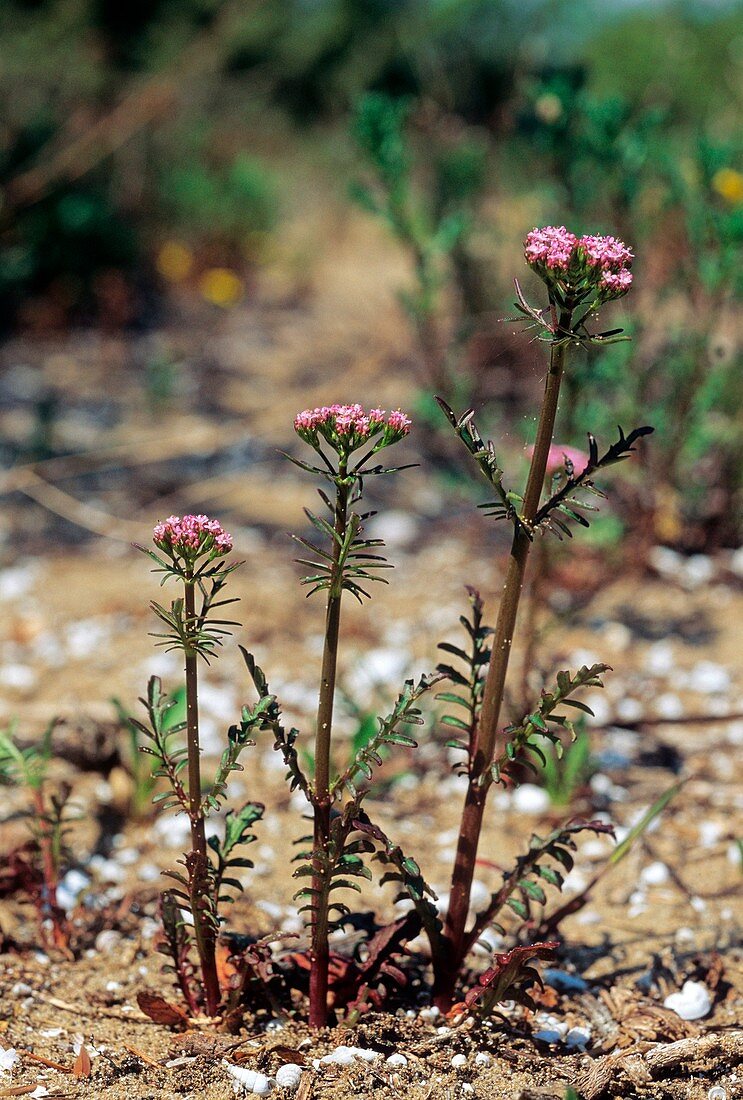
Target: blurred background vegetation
x,y
159,149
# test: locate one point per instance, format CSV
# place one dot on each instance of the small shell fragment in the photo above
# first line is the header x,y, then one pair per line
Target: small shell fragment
x,y
289,1076
249,1080
692,1003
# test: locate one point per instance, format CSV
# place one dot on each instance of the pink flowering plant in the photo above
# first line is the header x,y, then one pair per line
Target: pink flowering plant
x,y
346,439
581,275
192,550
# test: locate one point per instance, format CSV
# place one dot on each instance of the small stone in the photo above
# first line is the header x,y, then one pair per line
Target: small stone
x,y
108,941
530,799
396,1060
659,658
709,833
655,874
708,678
629,710
668,705
564,982
459,1061
341,1056
578,1037
482,1058
692,1003
365,1055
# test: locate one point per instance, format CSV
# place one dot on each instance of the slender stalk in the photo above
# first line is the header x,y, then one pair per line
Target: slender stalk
x,y
204,932
50,906
321,799
487,733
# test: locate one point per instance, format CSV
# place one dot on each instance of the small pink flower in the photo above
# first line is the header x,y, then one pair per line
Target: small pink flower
x,y
615,283
584,265
606,252
558,457
552,247
399,422
191,536
346,427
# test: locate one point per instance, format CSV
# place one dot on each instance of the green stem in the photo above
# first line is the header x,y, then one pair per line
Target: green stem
x,y
487,733
321,798
204,931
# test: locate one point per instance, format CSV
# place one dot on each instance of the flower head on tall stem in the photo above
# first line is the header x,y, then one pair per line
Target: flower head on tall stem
x,y
581,267
185,540
347,427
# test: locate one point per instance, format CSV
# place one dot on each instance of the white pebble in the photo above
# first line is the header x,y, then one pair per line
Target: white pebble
x,y
629,710
530,799
365,1055
289,1076
692,1003
655,874
8,1059
108,941
458,1061
552,1030
397,1060
341,1056
73,883
17,677
709,833
430,1014
698,904
699,570
467,1088
578,1037
482,1058
708,678
659,658
668,705
480,896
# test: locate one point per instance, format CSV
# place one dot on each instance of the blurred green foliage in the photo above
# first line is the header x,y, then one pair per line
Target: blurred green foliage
x,y
124,128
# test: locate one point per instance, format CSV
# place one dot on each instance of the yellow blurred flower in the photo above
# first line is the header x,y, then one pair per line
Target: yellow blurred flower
x,y
221,287
548,108
174,261
729,183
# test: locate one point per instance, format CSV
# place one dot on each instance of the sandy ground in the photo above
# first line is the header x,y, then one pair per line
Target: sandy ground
x,y
74,624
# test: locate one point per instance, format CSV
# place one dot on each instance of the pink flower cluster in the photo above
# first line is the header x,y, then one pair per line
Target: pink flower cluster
x,y
591,261
349,425
552,247
191,536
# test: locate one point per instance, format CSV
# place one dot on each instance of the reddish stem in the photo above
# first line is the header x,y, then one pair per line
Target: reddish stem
x,y
485,747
